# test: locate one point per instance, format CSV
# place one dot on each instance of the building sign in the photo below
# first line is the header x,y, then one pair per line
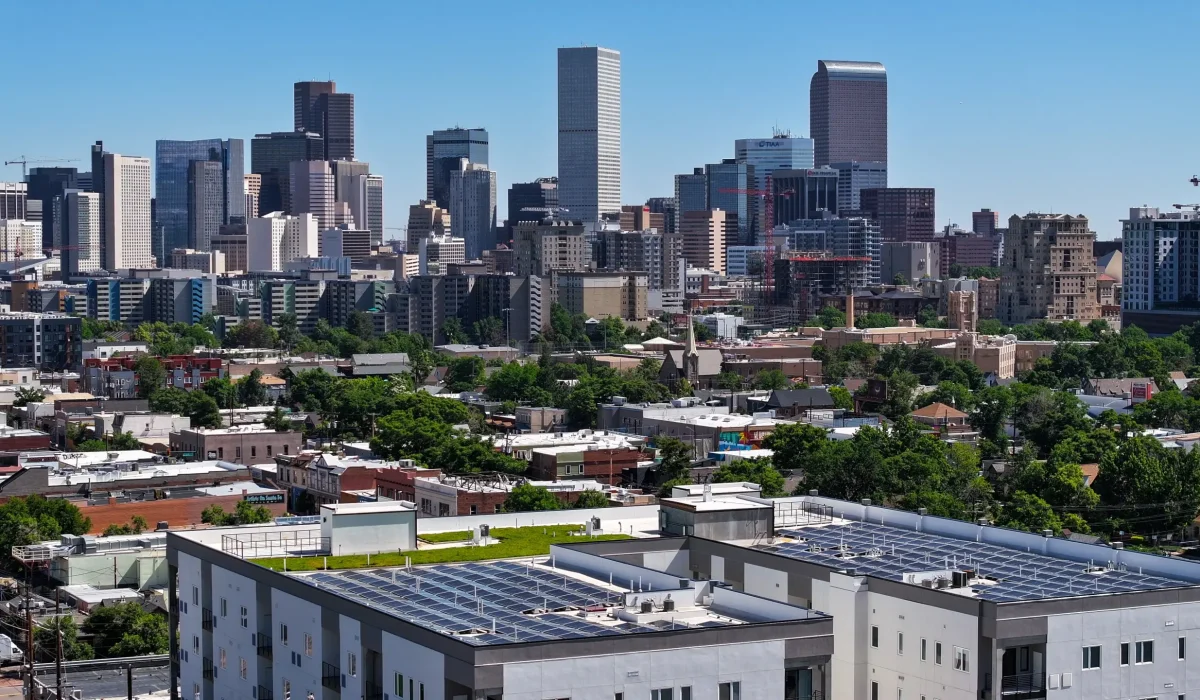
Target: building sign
x,y
1141,392
263,498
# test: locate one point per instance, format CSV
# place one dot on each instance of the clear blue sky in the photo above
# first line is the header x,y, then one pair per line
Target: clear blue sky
x,y
1076,107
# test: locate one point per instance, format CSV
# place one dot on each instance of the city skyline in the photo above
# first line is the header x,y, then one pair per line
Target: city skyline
x,y
947,118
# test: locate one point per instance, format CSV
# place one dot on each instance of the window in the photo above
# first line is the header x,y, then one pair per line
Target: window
x,y
874,690
352,665
962,659
410,688
195,644
1182,648
308,644
220,453
619,696
937,653
245,617
224,608
900,643
1124,653
244,667
222,657
1091,657
1144,652
874,636
283,633
195,596
729,691
287,688
685,692
422,692
268,450
662,694
474,510
899,693
399,685
924,649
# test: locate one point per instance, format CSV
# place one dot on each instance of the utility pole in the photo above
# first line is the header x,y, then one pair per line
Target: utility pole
x,y
58,659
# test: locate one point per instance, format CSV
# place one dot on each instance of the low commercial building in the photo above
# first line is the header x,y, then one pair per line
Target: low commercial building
x,y
522,446
589,462
540,419
241,444
321,477
96,473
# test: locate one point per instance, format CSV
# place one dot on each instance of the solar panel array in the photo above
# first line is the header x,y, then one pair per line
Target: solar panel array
x,y
480,603
1007,574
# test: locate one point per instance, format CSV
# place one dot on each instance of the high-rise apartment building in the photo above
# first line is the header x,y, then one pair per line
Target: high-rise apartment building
x,y
312,191
44,184
253,185
589,131
473,206
276,239
658,254
271,156
19,235
517,301
638,217
545,246
13,200
82,214
851,236
1049,271
1161,265
729,186
984,221
438,252
205,204
444,149
805,194
603,294
424,220
848,112
853,178
127,212
691,193
172,188
703,234
531,201
319,108
904,213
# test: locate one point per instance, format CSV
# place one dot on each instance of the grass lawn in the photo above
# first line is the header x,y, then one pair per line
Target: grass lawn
x,y
514,542
437,537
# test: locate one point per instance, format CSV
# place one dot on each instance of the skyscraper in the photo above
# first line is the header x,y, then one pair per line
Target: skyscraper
x,y
319,108
172,192
127,212
904,213
271,156
205,205
984,221
703,234
1049,270
424,220
276,239
665,206
312,191
589,132
473,206
804,194
44,185
531,201
848,112
691,192
729,189
82,213
853,178
374,187
13,200
253,193
443,150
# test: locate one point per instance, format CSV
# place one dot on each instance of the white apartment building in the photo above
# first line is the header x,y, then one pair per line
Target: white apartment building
x,y
276,239
83,212
127,212
589,132
438,251
313,190
1161,258
20,235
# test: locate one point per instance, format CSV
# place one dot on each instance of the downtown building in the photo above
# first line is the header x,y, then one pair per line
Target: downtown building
x,y
804,194
80,216
589,132
444,149
546,246
780,152
1049,271
48,186
729,187
425,220
848,112
853,178
271,156
126,201
530,201
274,240
191,202
659,255
320,109
704,239
903,213
1161,269
852,236
473,206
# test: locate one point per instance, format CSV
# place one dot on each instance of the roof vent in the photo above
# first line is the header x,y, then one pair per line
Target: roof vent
x,y
866,501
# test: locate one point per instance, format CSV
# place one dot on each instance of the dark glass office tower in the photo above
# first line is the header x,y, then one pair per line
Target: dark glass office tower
x,y
729,189
443,150
205,204
270,156
305,96
804,194
691,192
44,185
530,201
320,109
847,106
98,187
172,161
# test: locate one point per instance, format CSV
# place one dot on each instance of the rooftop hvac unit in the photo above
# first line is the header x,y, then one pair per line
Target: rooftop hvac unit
x,y
668,605
618,400
647,606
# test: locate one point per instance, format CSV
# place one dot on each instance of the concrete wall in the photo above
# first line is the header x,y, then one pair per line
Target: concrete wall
x,y
417,664
610,518
361,533
229,634
292,662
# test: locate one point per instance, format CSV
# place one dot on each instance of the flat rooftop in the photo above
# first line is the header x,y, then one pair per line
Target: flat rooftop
x,y
506,602
1002,574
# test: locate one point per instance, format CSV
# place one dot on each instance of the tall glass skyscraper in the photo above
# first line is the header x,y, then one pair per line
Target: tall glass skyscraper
x,y
172,160
443,151
589,132
729,184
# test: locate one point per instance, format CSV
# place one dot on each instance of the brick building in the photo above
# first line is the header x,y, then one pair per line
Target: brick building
x,y
570,462
242,444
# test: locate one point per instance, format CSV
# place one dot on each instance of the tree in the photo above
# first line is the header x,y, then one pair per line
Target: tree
x,y
592,499
289,331
29,519
929,318
756,471
251,334
250,389
488,331
990,326
223,391
202,410
703,334
150,376
360,325
1028,512
47,638
674,459
27,395
770,379
899,279
453,332
278,420
730,381
875,319
1158,489
841,398
526,497
245,513
92,445
464,373
123,441
831,317
951,394
136,526
125,629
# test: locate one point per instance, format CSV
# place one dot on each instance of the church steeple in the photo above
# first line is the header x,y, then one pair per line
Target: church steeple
x,y
691,357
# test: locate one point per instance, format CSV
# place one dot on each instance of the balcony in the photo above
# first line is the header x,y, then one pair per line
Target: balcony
x,y
265,694
372,691
207,669
265,650
331,677
207,621
1023,686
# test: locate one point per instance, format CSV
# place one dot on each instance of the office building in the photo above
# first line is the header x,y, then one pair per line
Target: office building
x,y
231,242
83,214
347,188
780,152
984,221
1160,269
638,217
424,220
20,238
210,262
729,188
173,190
276,239
320,109
312,191
443,151
666,207
531,201
1048,270
691,193
599,295
127,212
373,195
14,198
903,213
542,247
850,236
438,252
473,206
517,301
703,234
253,184
205,195
743,260
910,261
271,156
853,178
589,132
848,112
805,194
345,243
44,184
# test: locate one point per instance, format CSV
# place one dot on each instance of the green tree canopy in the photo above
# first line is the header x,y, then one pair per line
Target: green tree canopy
x,y
592,499
125,629
756,470
151,376
526,498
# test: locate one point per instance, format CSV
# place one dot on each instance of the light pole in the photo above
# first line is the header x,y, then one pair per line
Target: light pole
x,y
507,332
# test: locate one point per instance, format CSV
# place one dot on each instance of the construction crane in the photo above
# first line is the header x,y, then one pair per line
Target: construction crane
x,y
24,162
769,227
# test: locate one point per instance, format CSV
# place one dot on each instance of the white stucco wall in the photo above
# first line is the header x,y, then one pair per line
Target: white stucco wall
x,y
191,597
418,665
292,663
893,670
228,634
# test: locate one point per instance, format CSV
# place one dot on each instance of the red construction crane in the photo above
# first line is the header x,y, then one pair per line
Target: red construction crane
x,y
769,196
